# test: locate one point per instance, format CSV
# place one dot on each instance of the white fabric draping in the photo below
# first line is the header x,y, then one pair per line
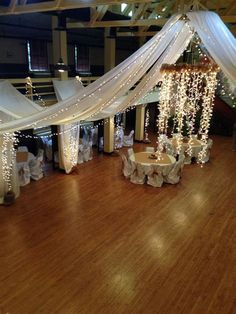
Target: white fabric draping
x,y
69,133
106,89
105,94
173,52
218,40
66,88
14,105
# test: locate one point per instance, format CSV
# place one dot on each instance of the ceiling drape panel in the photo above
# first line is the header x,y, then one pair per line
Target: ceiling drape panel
x,y
218,40
68,134
108,94
171,55
13,104
80,105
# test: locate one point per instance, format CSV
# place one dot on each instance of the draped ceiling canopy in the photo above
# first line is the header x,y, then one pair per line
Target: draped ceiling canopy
x,y
14,105
109,93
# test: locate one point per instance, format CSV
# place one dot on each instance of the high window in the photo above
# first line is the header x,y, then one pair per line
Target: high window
x,y
82,63
37,55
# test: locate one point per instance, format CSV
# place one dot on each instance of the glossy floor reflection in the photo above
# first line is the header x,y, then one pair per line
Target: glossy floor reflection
x,y
92,242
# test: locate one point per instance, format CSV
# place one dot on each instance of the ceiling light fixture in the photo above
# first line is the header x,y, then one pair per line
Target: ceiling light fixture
x,y
60,66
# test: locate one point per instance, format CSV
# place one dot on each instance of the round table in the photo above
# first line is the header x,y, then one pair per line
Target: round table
x,y
195,145
143,158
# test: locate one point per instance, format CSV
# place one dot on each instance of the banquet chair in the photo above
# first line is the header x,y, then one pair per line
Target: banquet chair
x,y
208,151
155,177
149,149
138,175
24,174
22,149
174,135
88,151
194,136
130,152
36,169
127,166
175,173
187,159
170,150
129,139
94,136
48,149
40,155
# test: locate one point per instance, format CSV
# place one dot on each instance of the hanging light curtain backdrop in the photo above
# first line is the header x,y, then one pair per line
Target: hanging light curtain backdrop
x,y
165,47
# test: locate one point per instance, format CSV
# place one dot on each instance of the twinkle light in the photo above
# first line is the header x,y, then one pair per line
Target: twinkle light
x,y
8,157
187,89
146,125
70,150
31,90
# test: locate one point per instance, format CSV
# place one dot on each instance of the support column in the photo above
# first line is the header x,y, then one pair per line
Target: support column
x,y
59,44
108,135
139,123
109,63
109,51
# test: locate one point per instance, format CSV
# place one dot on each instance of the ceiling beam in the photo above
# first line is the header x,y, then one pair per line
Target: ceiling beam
x,y
102,12
119,23
142,22
135,34
139,11
64,5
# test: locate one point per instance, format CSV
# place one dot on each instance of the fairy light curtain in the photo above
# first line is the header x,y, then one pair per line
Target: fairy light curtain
x,y
186,90
116,83
8,174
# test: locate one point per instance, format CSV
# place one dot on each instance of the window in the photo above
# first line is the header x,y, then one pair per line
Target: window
x,y
37,55
82,63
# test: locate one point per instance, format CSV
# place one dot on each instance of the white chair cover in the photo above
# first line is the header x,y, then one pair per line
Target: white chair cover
x,y
48,149
155,177
130,152
94,136
22,149
169,148
24,174
85,152
129,139
187,159
150,149
88,152
36,169
138,175
40,155
208,151
127,166
175,174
